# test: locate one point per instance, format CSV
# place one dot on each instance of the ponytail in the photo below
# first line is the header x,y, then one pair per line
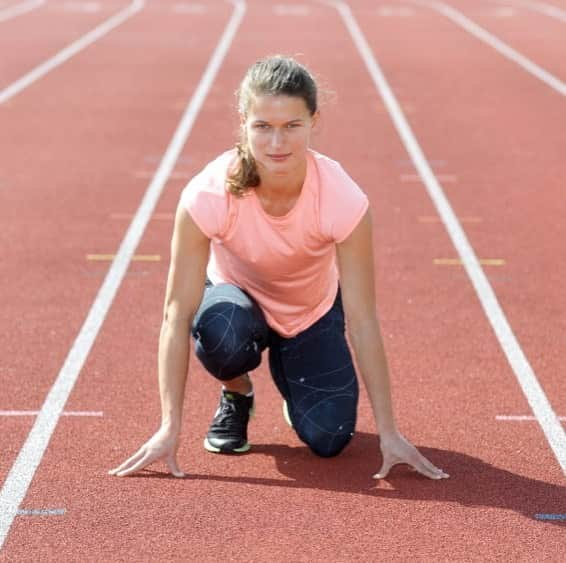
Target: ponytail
x,y
245,174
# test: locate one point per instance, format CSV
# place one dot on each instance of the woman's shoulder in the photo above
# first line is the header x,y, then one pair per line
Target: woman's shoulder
x,y
331,173
212,178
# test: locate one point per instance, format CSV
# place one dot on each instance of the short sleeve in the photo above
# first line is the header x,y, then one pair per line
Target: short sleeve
x,y
205,198
342,202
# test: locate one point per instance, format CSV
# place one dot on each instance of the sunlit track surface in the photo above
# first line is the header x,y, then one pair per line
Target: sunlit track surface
x,y
80,148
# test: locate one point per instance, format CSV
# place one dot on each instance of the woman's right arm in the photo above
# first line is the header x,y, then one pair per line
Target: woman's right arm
x,y
185,286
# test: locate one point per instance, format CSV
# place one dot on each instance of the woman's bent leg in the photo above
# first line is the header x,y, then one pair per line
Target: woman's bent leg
x,y
230,332
315,374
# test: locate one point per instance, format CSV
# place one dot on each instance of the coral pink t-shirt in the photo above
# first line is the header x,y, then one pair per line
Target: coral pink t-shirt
x,y
288,263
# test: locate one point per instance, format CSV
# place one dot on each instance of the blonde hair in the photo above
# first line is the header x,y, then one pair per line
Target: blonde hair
x,y
270,76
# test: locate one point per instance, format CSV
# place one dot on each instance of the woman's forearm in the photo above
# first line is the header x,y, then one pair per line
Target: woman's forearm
x,y
367,343
173,364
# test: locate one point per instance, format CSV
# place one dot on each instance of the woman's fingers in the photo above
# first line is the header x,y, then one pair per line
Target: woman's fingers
x,y
140,464
173,467
133,459
384,471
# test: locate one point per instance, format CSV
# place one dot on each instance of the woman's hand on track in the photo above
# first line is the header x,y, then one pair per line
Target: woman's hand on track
x,y
397,449
162,445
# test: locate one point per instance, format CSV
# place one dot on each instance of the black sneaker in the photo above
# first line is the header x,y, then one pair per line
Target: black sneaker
x,y
228,432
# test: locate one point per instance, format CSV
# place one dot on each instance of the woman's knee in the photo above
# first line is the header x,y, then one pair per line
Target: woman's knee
x,y
230,332
326,444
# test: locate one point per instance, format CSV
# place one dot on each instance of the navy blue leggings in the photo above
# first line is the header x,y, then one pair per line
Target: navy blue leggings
x,y
313,371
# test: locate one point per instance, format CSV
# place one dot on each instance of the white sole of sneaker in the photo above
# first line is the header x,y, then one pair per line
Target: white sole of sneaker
x,y
210,448
286,414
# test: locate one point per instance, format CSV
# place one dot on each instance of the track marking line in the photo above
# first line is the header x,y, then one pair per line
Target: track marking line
x,y
395,11
178,175
436,219
135,258
80,7
154,217
521,417
533,391
497,44
187,8
19,9
503,12
543,8
64,413
291,10
42,512
21,474
550,516
71,50
445,178
458,262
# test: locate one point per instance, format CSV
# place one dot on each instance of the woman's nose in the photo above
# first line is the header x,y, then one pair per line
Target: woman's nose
x,y
277,138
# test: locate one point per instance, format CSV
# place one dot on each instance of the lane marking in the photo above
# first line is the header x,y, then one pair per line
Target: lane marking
x,y
497,44
188,8
80,7
543,8
445,178
436,219
177,175
503,12
395,11
409,163
135,258
65,413
154,217
550,516
520,417
539,403
19,9
42,512
291,10
21,474
458,262
71,50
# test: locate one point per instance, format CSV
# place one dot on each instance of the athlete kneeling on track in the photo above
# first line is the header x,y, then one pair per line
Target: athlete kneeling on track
x,y
272,246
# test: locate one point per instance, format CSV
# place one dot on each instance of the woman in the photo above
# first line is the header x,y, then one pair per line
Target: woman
x,y
279,237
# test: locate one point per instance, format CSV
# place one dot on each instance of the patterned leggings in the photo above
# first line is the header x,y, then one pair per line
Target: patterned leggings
x,y
313,370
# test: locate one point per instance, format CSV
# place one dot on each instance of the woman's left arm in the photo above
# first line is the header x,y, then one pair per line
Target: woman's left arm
x,y
356,265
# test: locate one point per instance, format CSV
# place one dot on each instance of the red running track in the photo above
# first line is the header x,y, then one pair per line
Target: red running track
x,y
77,148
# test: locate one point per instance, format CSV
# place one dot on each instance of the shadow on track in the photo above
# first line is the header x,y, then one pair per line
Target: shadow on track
x,y
473,482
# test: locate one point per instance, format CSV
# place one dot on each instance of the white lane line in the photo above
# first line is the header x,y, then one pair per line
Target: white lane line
x,y
19,9
71,50
520,417
21,474
493,41
65,413
543,8
519,363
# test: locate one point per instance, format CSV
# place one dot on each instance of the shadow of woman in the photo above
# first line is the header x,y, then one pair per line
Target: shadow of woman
x,y
473,482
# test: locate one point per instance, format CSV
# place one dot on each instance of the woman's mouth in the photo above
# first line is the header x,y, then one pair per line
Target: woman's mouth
x,y
279,157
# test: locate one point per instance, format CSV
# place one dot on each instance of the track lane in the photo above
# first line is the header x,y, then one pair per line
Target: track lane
x,y
503,140
40,34
61,284
183,514
538,37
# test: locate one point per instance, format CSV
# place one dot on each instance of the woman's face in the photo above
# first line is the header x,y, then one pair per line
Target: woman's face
x,y
278,130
